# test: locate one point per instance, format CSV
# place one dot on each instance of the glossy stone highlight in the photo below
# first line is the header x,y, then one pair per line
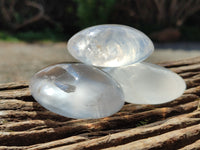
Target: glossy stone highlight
x,y
77,91
145,83
110,46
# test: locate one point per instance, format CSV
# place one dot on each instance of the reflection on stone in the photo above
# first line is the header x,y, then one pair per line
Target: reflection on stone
x,y
77,91
110,46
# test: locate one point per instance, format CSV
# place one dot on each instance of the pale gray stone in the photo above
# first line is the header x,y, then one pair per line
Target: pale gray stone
x,y
110,46
145,83
77,91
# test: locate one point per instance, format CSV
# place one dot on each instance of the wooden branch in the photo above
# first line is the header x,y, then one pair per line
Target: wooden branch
x,y
138,133
18,93
24,124
173,8
187,14
8,14
179,63
4,11
193,146
161,10
168,140
184,6
35,18
14,85
193,6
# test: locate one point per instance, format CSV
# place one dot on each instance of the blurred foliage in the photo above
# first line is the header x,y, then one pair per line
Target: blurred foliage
x,y
92,12
31,36
31,20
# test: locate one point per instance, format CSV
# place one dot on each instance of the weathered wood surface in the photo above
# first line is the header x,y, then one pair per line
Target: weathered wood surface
x,y
24,124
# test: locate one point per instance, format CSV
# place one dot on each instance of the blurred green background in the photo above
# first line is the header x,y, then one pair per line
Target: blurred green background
x,y
50,20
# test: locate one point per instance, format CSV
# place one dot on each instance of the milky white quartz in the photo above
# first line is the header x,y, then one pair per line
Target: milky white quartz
x,y
110,46
145,83
77,91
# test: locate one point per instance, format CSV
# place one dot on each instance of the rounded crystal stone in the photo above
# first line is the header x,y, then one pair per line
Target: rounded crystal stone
x,y
77,91
110,46
145,83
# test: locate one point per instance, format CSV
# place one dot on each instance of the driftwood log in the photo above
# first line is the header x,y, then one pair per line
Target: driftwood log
x,y
24,124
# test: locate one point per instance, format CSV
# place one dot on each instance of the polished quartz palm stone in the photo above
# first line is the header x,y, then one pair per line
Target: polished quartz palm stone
x,y
110,46
77,91
145,83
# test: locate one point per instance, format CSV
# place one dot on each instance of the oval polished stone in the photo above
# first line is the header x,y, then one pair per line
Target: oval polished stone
x,y
77,91
110,46
146,83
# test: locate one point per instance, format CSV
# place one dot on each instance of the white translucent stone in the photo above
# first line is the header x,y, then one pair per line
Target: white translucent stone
x,y
145,83
110,46
77,91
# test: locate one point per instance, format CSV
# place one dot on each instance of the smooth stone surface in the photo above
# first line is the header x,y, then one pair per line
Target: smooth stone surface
x,y
145,83
110,46
77,91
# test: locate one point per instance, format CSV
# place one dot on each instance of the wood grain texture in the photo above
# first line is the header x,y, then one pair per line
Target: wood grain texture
x,y
24,124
